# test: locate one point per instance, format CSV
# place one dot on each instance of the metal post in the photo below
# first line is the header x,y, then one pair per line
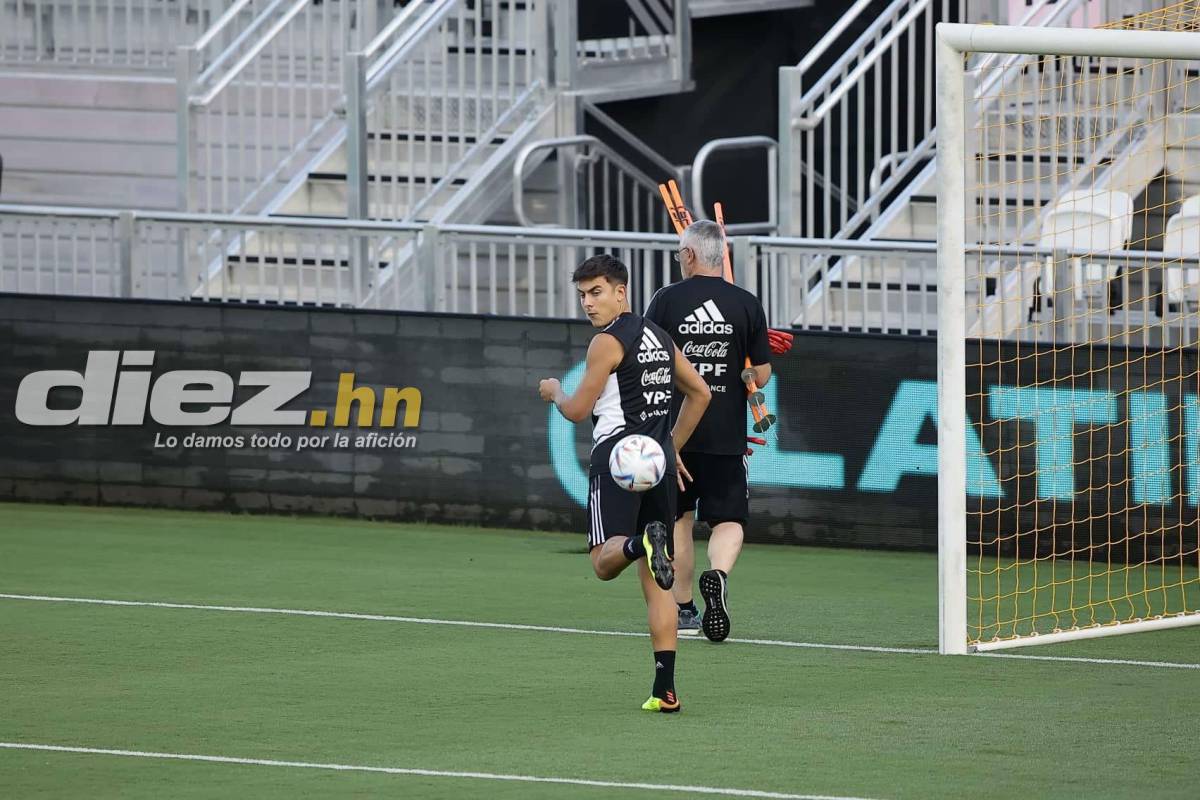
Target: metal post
x,y
356,136
789,153
125,251
185,73
681,59
951,354
543,44
566,38
745,270
429,261
357,196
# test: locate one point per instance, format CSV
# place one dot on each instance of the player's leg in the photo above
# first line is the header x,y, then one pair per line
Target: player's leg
x,y
662,616
724,546
685,561
613,538
725,506
657,511
612,513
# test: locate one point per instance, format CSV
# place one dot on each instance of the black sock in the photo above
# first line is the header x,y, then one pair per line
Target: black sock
x,y
690,605
634,548
664,673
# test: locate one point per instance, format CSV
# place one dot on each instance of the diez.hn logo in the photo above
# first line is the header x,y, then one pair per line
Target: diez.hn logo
x,y
118,388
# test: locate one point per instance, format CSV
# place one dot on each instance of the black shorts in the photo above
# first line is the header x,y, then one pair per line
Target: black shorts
x,y
613,511
719,491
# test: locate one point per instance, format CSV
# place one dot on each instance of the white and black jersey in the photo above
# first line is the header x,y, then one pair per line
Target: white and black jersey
x,y
717,326
638,394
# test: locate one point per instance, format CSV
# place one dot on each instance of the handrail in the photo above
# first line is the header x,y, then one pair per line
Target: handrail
x,y
567,141
377,71
740,143
813,119
633,141
396,23
555,235
224,20
244,61
888,17
851,14
232,47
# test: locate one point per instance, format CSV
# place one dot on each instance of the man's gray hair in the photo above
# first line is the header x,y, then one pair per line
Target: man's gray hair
x,y
705,239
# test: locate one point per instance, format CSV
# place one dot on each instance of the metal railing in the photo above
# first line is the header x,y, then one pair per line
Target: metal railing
x,y
169,256
429,101
526,271
597,188
257,94
138,36
655,51
771,224
875,100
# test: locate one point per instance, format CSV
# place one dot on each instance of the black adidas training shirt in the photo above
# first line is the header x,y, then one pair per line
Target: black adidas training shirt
x,y
717,325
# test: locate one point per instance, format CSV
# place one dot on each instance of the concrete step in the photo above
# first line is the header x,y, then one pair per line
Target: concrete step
x,y
412,154
99,92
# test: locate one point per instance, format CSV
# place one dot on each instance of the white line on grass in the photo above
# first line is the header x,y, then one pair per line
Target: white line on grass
x,y
426,773
295,612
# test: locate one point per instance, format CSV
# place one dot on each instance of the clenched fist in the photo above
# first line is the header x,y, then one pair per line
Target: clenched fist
x,y
549,389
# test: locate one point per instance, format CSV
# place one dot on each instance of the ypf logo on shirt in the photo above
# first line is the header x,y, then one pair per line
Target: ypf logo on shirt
x,y
706,319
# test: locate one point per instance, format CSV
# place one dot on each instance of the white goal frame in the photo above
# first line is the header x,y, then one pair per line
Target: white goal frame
x,y
953,43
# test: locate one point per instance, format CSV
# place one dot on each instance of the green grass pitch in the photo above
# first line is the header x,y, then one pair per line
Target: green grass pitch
x,y
463,698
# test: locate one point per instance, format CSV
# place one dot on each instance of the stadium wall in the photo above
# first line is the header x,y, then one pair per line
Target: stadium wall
x,y
853,462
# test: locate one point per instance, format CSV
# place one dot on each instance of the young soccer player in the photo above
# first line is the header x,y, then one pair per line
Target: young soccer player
x,y
633,371
717,326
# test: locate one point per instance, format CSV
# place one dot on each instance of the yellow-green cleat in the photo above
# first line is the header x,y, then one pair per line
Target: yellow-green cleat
x,y
658,542
667,705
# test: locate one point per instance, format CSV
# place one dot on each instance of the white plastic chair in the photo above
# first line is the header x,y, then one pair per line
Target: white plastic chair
x,y
1182,240
1083,220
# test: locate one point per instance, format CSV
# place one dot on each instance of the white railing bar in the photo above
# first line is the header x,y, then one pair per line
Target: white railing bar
x,y
813,119
222,22
244,61
632,140
396,23
740,143
501,120
377,72
854,51
233,46
1096,43
585,140
1006,72
839,27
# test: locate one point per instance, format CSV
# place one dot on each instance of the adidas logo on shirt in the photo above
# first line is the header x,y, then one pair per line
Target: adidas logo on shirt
x,y
651,349
705,319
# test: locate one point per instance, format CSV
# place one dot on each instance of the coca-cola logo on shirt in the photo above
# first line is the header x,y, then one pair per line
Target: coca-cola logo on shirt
x,y
706,350
656,377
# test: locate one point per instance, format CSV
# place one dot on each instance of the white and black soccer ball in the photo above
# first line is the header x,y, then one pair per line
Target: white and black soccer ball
x,y
637,463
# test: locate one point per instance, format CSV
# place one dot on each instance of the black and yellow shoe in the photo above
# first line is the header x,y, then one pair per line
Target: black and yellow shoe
x,y
664,705
715,622
657,540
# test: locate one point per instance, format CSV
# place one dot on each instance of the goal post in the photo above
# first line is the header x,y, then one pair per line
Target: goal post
x,y
1068,189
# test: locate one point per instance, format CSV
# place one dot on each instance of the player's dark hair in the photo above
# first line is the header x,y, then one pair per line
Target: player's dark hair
x,y
602,266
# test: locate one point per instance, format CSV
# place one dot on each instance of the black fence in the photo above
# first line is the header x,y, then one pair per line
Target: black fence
x,y
436,418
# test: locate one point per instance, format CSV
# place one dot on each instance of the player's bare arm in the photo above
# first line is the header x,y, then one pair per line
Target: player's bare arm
x,y
696,396
603,356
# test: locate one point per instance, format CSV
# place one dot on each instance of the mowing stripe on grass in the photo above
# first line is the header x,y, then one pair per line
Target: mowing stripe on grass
x,y
295,612
425,773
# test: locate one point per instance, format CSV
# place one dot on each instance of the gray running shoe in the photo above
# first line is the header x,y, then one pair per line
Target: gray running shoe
x,y
716,605
689,622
